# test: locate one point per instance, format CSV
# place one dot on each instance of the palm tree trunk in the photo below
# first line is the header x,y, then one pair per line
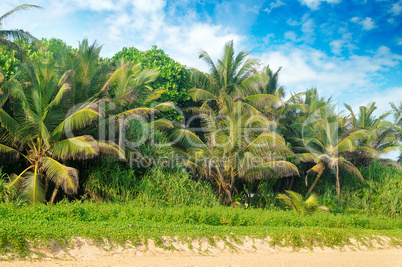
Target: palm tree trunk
x,y
338,185
121,133
56,189
315,181
46,186
291,183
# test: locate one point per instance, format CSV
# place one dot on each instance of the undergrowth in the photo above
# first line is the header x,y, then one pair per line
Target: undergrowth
x,y
37,225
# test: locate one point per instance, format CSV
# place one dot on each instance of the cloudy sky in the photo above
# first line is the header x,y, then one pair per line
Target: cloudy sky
x,y
348,49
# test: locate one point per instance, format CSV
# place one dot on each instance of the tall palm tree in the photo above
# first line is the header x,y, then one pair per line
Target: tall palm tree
x,y
233,148
324,142
131,92
226,81
233,151
269,82
6,36
37,125
382,134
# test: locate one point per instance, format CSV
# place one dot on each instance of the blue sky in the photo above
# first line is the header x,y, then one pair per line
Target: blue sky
x,y
351,50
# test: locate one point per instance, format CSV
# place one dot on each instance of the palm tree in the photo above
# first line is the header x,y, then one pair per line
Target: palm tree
x,y
324,141
131,95
269,82
234,150
226,81
7,35
382,134
37,125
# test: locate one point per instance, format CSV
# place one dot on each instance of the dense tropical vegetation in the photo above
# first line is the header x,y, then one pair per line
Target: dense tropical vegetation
x,y
237,133
143,129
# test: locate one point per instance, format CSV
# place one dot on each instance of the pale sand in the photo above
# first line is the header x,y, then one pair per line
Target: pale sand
x,y
252,252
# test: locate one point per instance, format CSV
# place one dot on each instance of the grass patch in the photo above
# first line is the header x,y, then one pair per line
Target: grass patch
x,y
120,223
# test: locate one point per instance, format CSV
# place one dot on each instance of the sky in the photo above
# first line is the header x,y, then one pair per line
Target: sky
x,y
348,49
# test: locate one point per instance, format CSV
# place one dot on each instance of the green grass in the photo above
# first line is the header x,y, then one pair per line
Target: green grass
x,y
37,225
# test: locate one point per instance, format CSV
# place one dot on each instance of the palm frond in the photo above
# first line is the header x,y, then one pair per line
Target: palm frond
x,y
155,95
200,94
16,180
161,123
76,120
81,147
110,148
17,9
64,176
167,106
350,168
33,187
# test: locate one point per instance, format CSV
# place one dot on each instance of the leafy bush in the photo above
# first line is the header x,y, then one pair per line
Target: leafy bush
x,y
111,182
174,77
8,195
162,188
157,187
381,192
297,204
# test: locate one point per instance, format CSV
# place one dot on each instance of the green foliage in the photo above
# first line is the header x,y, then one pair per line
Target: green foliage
x,y
380,194
297,204
173,77
157,187
38,224
11,58
111,182
9,195
175,189
151,143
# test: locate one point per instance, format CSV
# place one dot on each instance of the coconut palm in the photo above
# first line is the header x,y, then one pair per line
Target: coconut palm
x,y
269,82
38,127
131,96
6,36
265,95
235,150
382,134
324,142
226,81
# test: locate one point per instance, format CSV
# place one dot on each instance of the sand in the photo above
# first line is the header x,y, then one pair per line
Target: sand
x,y
252,252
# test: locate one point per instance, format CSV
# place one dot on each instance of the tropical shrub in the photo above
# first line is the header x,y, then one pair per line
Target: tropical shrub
x,y
111,182
174,78
165,188
297,204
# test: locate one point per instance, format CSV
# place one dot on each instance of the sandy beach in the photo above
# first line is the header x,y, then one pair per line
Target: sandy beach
x,y
252,252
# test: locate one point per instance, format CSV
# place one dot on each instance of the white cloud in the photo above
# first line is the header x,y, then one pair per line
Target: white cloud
x,y
337,46
396,8
315,4
355,19
268,37
307,27
290,35
273,5
391,20
399,40
345,79
128,23
148,24
381,98
367,23
96,5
